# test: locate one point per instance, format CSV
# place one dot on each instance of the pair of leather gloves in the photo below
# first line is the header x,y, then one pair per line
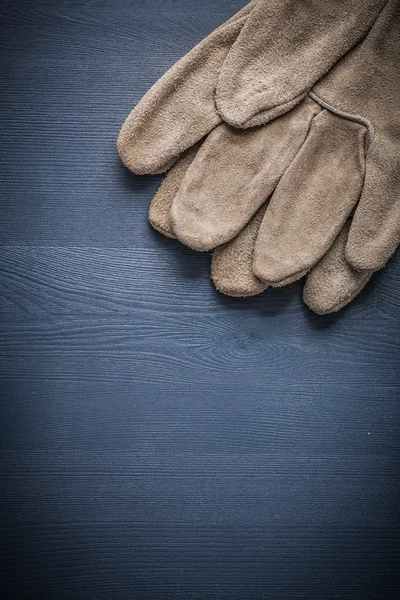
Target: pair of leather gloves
x,y
280,133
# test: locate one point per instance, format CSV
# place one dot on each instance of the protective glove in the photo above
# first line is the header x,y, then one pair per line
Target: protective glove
x,y
256,66
143,151
351,158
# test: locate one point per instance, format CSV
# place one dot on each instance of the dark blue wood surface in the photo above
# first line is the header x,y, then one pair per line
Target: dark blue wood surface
x,y
158,440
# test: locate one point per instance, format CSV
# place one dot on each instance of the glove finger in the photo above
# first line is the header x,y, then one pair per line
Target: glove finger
x,y
330,285
179,109
160,206
375,230
333,282
232,263
284,48
233,174
313,199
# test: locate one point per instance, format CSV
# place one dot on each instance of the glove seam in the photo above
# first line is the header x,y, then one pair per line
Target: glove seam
x,y
351,117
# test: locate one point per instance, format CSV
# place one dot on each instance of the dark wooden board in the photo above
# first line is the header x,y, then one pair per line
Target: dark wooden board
x,y
158,440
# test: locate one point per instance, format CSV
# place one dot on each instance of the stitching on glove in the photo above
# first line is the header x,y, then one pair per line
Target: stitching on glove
x,y
346,115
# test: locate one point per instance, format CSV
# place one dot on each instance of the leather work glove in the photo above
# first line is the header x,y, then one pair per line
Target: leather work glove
x,y
349,166
171,118
256,66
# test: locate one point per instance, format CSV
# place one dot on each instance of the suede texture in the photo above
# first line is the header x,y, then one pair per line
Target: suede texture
x,y
323,184
284,48
367,83
160,206
245,53
232,263
233,174
330,285
333,282
313,199
333,173
312,160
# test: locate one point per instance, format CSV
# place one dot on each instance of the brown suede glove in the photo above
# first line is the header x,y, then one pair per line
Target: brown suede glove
x,y
154,135
256,66
350,162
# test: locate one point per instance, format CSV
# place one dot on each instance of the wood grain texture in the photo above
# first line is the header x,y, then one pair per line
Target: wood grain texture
x,y
82,280
159,441
164,561
183,488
